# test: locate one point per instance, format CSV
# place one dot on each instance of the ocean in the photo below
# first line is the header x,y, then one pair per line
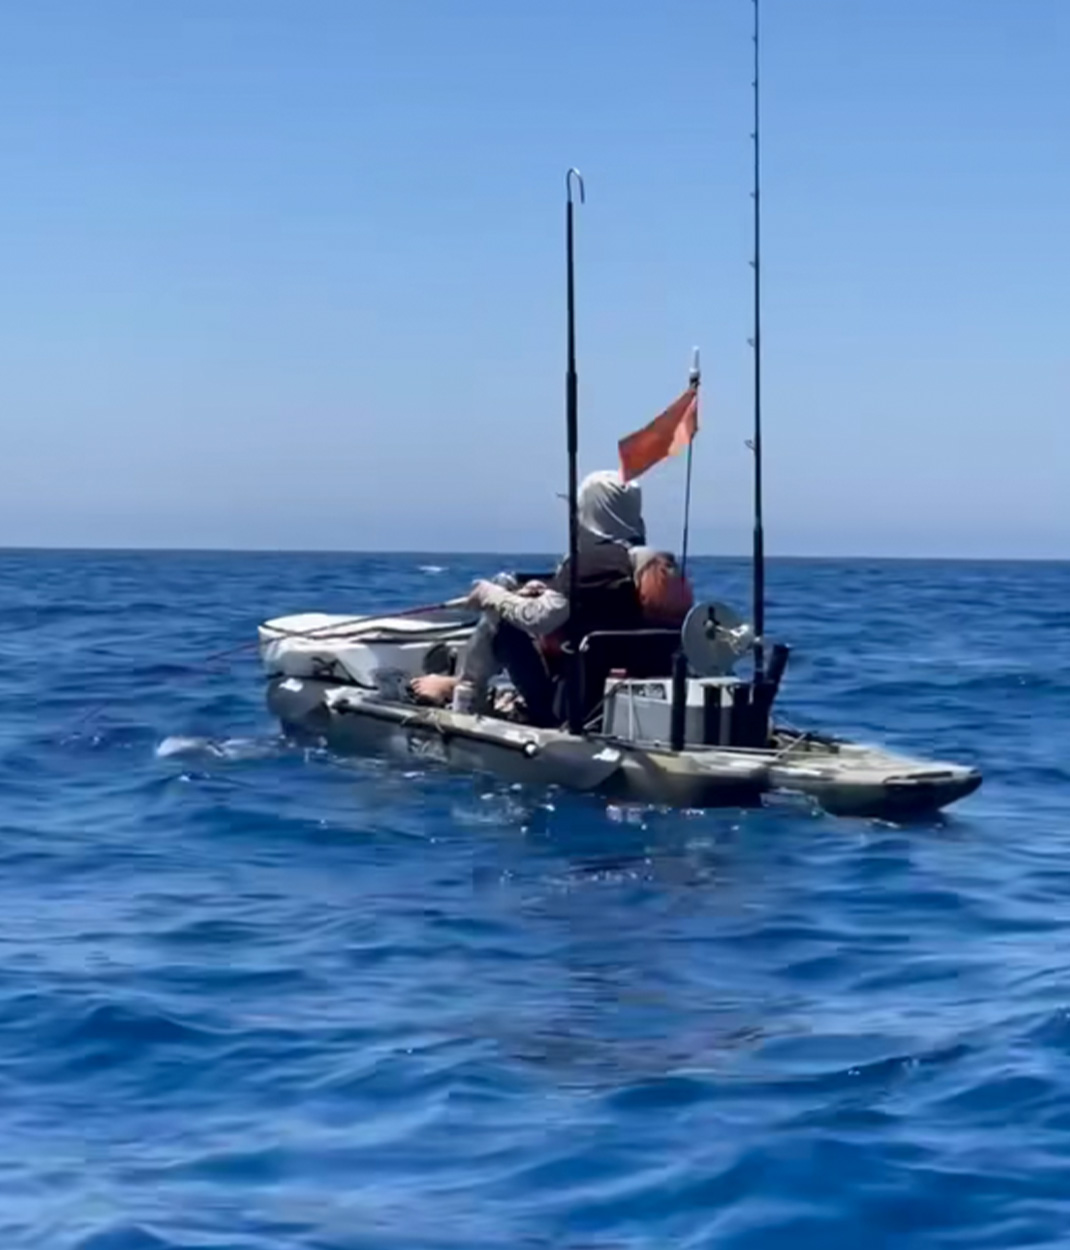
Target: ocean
x,y
253,996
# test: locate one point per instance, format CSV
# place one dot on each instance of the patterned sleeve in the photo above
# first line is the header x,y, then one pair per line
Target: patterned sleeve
x,y
542,614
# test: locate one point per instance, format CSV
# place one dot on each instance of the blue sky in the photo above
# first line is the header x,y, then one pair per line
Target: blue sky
x,y
291,275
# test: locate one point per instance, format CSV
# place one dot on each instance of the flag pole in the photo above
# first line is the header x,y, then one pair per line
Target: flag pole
x,y
693,382
678,704
572,674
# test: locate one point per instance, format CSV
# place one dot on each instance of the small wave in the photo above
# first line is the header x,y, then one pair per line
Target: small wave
x,y
125,1237
119,1026
433,569
118,1036
992,682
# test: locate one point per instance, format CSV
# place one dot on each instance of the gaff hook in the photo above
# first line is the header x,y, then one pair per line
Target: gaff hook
x,y
568,185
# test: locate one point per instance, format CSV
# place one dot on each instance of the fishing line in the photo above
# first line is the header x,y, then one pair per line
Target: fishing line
x,y
352,627
347,627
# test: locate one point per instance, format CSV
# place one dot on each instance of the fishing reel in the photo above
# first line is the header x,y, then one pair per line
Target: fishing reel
x,y
714,638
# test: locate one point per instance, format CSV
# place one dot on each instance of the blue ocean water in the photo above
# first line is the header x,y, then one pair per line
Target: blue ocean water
x,y
254,996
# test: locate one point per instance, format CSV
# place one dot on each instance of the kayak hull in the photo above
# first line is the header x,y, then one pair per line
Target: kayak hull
x,y
846,779
842,778
351,722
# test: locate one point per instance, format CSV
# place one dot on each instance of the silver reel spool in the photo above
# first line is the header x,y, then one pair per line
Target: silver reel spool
x,y
714,638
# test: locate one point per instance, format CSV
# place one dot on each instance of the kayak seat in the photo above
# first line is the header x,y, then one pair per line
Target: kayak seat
x,y
633,652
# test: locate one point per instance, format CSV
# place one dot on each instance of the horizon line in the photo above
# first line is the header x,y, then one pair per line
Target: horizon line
x,y
91,549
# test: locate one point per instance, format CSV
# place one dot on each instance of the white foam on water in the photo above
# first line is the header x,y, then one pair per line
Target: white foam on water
x,y
251,748
181,746
227,748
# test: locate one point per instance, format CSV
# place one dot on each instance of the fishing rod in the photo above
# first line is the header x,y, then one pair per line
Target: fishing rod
x,y
353,627
572,676
756,344
348,627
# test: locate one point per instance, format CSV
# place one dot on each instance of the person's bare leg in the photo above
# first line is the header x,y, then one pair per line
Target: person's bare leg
x,y
467,691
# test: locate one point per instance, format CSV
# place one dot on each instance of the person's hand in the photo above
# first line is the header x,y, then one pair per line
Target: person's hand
x,y
479,594
532,590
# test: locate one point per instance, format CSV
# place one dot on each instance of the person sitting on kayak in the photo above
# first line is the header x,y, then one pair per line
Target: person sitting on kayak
x,y
522,628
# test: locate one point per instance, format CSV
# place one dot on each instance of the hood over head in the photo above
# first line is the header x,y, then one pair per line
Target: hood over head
x,y
611,509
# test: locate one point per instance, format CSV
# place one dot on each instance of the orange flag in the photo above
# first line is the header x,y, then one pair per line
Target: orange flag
x,y
667,435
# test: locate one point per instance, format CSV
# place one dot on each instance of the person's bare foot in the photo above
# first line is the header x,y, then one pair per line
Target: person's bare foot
x,y
435,688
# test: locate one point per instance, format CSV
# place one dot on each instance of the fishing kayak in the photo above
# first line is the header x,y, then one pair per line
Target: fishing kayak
x,y
344,682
